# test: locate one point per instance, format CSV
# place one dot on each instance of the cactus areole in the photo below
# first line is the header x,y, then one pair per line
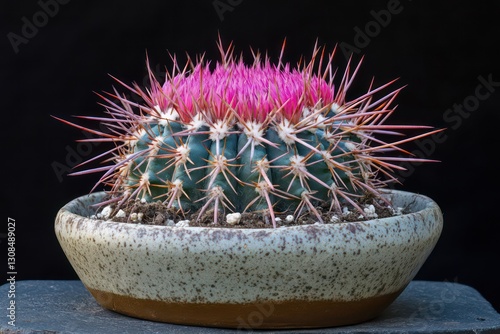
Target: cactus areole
x,y
231,136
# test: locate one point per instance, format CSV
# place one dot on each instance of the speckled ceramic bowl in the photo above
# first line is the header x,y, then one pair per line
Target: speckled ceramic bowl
x,y
292,277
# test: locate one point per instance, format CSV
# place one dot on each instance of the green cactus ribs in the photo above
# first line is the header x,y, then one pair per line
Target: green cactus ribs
x,y
262,138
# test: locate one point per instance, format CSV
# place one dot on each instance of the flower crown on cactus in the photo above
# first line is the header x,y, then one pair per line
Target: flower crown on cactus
x,y
260,137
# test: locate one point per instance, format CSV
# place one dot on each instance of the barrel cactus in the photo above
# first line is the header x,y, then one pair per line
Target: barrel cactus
x,y
236,137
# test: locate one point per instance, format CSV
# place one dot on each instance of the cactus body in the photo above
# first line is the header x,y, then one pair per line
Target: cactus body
x,y
255,137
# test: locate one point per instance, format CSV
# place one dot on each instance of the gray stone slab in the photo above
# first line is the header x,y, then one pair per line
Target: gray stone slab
x,y
67,307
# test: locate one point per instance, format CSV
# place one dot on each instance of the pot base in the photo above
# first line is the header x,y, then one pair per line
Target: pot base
x,y
263,315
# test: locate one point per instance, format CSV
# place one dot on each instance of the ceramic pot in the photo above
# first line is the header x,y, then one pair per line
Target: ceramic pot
x,y
289,277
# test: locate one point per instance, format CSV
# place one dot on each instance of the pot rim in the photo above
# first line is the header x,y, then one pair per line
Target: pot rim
x,y
429,206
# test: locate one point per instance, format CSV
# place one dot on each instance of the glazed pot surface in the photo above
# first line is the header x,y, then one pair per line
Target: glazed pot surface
x,y
291,277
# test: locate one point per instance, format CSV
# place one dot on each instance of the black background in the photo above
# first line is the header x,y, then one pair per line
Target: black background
x,y
439,50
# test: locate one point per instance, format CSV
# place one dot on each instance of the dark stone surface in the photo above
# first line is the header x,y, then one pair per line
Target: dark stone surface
x,y
67,307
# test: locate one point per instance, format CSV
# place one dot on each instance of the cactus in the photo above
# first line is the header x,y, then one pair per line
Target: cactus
x,y
262,137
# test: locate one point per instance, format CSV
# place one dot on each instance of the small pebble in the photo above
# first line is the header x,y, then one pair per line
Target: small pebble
x,y
370,211
120,214
105,213
397,211
334,219
233,218
183,223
